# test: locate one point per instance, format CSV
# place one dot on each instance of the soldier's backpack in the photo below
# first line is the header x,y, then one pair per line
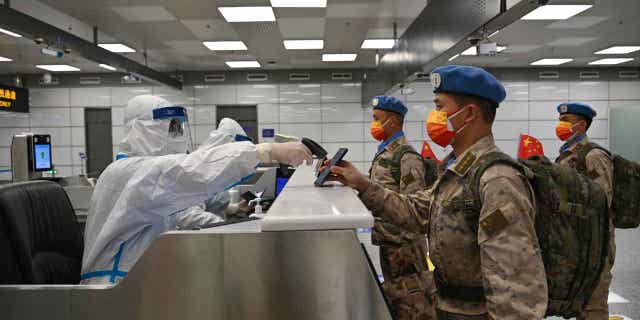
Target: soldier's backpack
x,y
430,166
571,224
625,204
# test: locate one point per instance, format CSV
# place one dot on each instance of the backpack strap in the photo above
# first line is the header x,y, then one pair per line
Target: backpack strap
x,y
583,151
395,165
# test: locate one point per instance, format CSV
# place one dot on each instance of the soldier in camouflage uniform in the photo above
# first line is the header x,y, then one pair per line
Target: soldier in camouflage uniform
x,y
487,268
595,162
408,283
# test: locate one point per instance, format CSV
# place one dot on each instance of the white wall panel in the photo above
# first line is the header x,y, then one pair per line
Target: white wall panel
x,y
90,97
341,92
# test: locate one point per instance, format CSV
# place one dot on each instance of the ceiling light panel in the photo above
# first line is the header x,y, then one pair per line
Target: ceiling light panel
x,y
10,33
619,50
299,3
247,14
610,61
3,59
551,62
303,44
57,67
116,47
243,64
225,45
106,66
340,57
556,12
378,44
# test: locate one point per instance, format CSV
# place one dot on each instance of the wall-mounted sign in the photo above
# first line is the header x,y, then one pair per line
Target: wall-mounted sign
x,y
14,99
268,133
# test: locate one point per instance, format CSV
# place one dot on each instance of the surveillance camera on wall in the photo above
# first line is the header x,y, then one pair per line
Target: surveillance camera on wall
x,y
52,52
46,78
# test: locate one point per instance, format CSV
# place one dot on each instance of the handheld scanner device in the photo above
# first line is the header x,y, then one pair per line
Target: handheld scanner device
x,y
327,171
317,150
42,153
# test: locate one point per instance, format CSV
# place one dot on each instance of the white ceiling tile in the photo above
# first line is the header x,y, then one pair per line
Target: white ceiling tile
x,y
302,28
214,29
577,23
571,41
144,13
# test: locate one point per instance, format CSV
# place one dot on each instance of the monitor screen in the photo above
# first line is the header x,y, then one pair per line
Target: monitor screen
x,y
42,157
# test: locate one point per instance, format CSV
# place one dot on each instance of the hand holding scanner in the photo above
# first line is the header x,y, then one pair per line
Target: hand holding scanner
x,y
327,171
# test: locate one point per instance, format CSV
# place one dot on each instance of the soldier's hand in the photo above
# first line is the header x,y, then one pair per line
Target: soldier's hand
x,y
346,173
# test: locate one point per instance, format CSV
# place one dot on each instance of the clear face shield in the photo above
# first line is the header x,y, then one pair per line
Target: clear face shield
x,y
177,125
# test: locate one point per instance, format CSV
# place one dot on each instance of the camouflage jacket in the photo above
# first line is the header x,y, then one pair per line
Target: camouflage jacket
x,y
503,255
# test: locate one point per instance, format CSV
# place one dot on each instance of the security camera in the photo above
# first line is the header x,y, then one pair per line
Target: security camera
x,y
67,50
474,40
38,40
46,78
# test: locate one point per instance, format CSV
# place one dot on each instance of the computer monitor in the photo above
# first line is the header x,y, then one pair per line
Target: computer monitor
x,y
42,153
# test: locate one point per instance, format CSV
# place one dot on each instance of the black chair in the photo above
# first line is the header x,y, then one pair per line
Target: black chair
x,y
40,241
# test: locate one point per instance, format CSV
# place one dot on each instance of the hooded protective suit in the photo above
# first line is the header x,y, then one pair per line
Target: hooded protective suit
x,y
156,188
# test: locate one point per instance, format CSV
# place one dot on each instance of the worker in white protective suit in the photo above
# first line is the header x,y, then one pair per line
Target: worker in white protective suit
x,y
155,188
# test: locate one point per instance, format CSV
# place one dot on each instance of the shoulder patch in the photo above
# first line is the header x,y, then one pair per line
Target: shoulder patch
x,y
465,163
494,223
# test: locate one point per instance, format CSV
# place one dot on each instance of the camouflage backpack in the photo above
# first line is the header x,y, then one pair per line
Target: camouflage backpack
x,y
430,166
625,204
571,224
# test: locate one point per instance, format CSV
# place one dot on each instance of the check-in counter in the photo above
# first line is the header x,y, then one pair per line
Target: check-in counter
x,y
302,261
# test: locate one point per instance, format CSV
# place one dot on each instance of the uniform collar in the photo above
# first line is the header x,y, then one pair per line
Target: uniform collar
x,y
461,165
394,137
573,142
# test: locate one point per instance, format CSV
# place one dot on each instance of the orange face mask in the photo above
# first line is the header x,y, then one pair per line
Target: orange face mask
x,y
440,129
377,130
564,130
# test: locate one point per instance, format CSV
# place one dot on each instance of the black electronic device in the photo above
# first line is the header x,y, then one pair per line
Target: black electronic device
x,y
327,171
316,149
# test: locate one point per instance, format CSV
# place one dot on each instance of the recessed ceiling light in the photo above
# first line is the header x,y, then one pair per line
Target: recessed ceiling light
x,y
619,50
551,62
378,44
57,67
243,64
454,57
247,14
106,66
303,44
610,61
299,3
556,12
225,45
13,34
116,47
349,57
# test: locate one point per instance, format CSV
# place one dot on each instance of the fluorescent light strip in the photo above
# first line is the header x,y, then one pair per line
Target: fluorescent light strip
x,y
225,45
378,44
116,47
454,57
303,44
610,61
243,64
341,57
13,34
106,66
3,59
493,34
299,3
556,12
57,67
247,14
551,62
619,50
473,51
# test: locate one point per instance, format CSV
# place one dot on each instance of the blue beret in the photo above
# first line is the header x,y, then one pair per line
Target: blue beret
x,y
387,103
578,108
468,80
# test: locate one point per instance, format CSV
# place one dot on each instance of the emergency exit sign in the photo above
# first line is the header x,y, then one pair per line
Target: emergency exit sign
x,y
14,99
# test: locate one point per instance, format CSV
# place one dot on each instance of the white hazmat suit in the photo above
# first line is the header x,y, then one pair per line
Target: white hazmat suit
x,y
155,189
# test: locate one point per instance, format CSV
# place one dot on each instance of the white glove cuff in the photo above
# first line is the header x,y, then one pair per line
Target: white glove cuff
x,y
264,152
